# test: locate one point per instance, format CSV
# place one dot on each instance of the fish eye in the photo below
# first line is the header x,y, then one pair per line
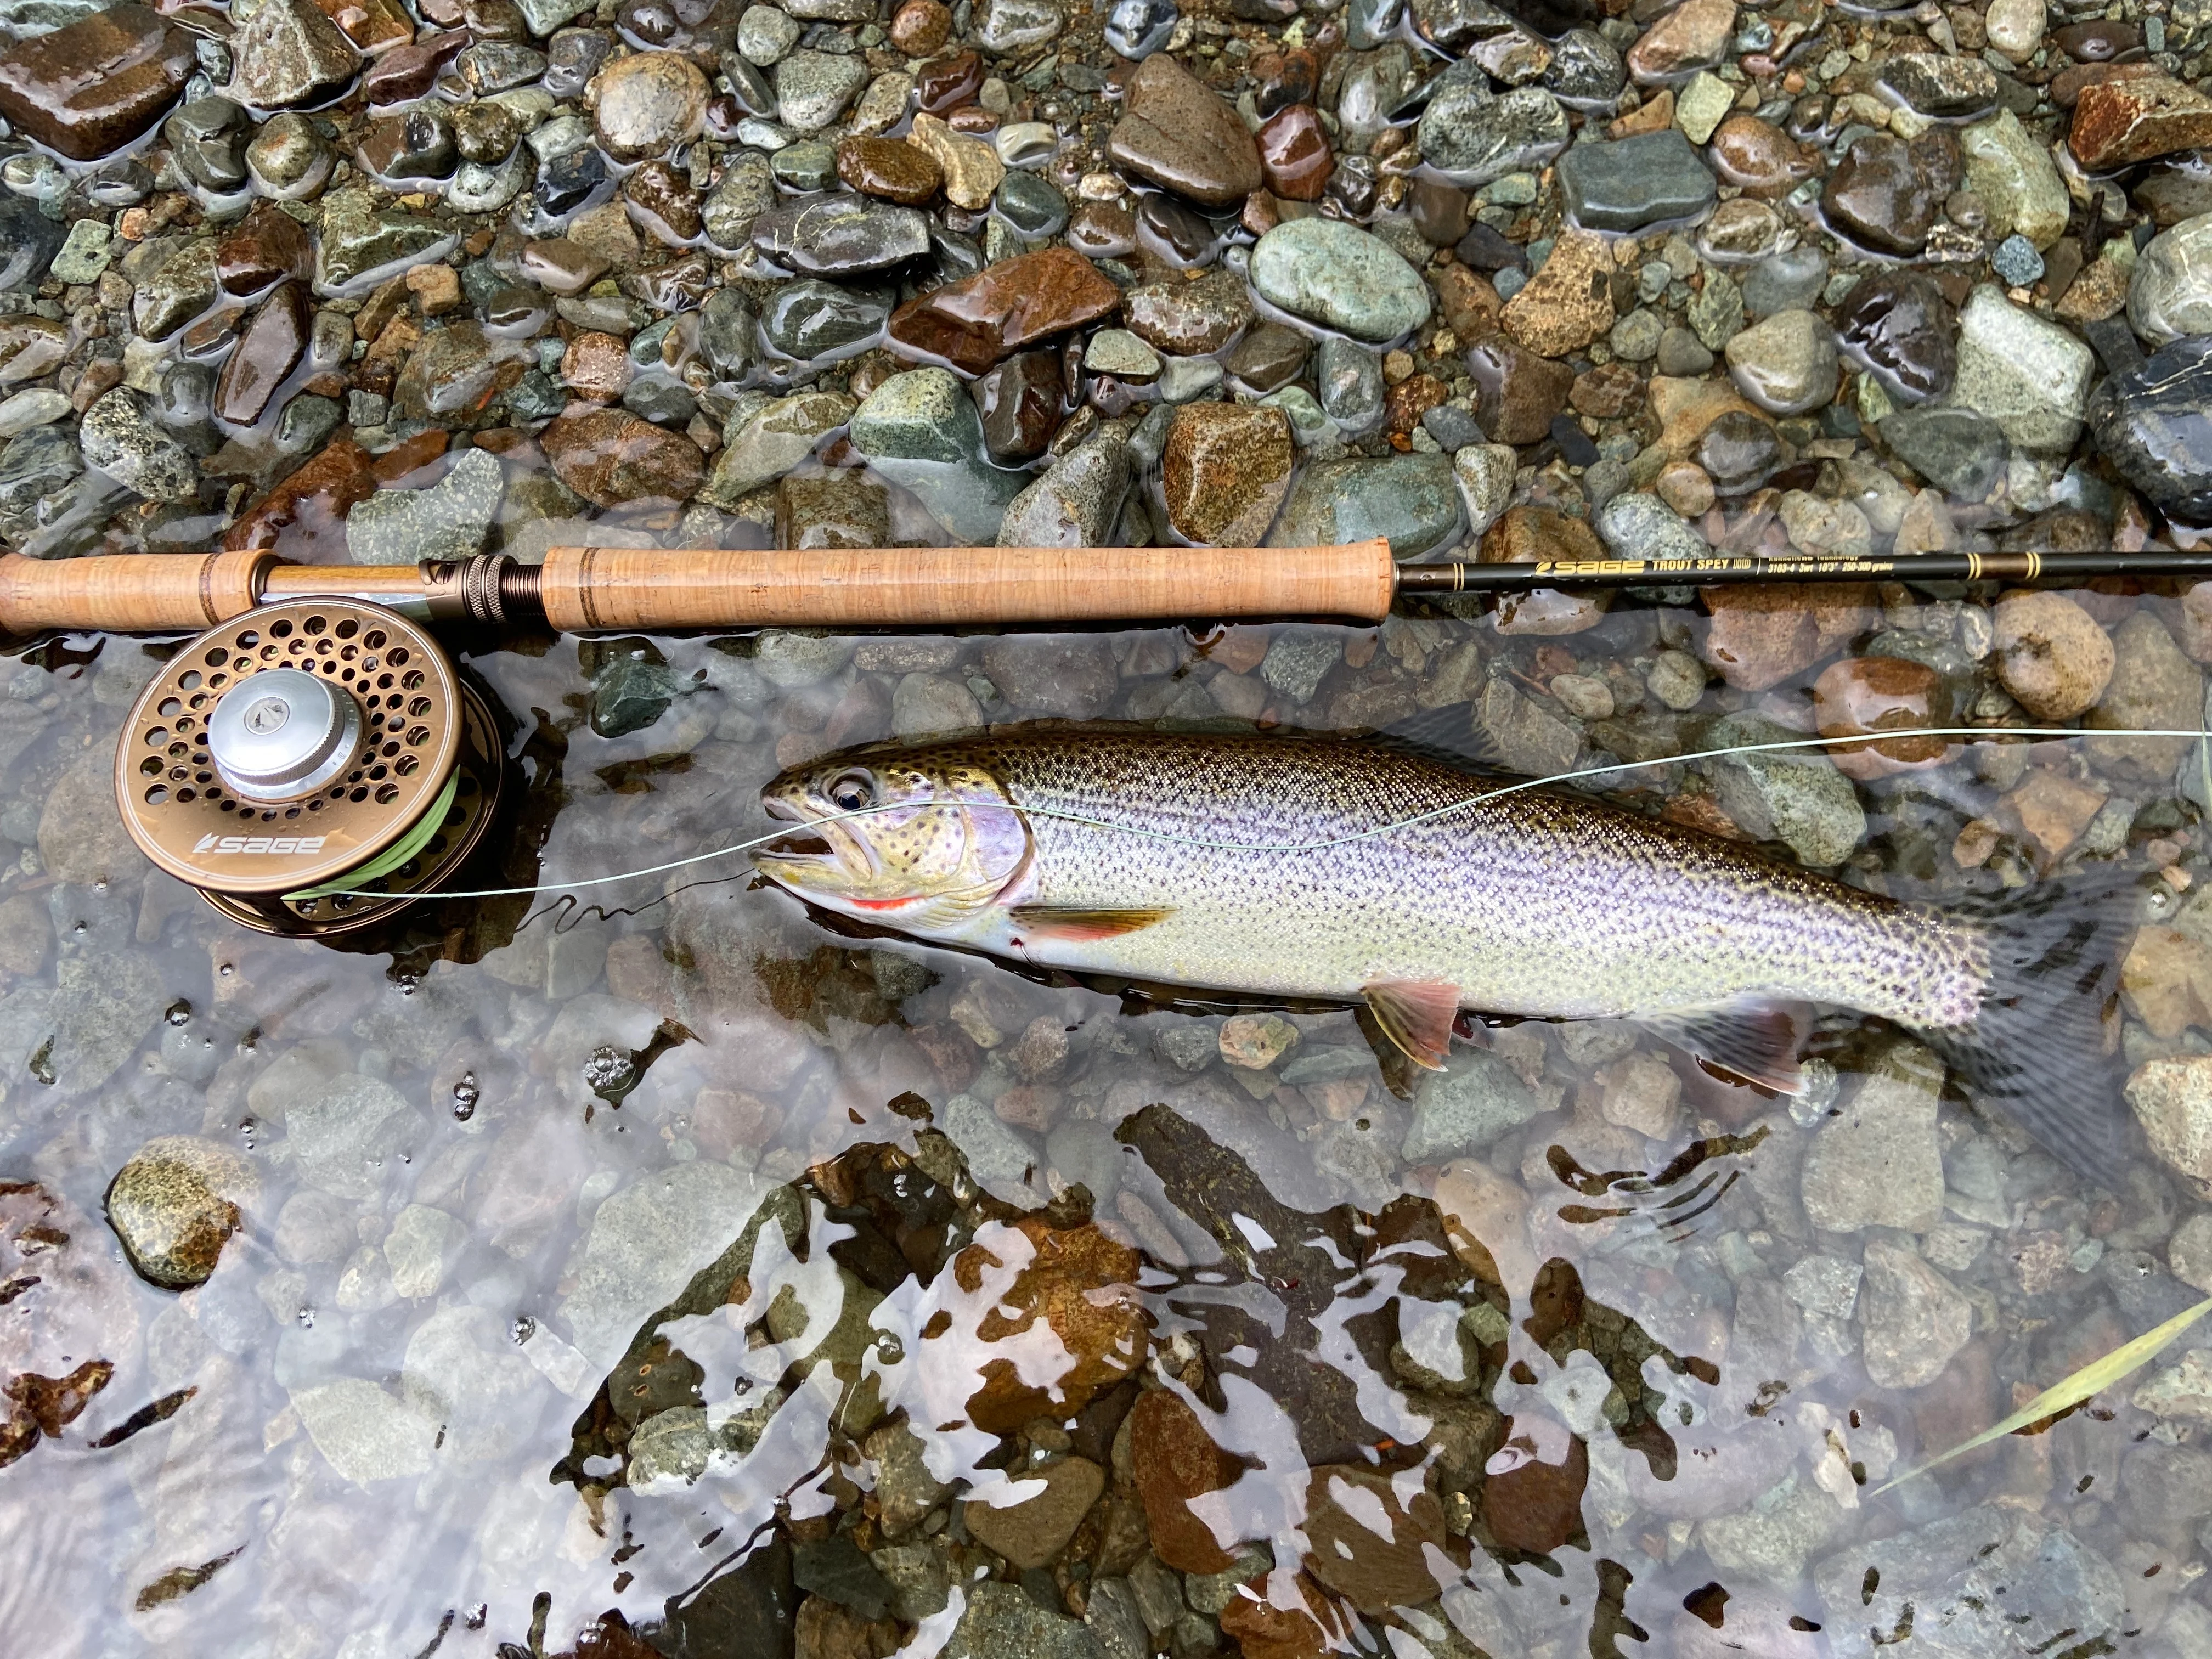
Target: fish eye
x,y
849,792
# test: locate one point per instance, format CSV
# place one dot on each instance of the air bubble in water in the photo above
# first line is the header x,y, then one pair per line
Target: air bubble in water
x,y
465,1096
179,1012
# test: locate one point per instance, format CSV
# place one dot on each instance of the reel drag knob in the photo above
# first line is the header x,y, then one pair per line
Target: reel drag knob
x,y
305,749
281,734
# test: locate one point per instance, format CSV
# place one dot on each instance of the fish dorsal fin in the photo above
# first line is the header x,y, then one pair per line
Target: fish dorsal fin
x,y
1081,926
1417,1016
1757,1040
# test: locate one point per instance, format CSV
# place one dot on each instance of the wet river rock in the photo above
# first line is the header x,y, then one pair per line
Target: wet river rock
x,y
174,1207
1176,133
95,84
1018,302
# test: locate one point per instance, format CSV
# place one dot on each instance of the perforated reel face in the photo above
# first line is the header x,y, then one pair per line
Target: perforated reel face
x,y
187,818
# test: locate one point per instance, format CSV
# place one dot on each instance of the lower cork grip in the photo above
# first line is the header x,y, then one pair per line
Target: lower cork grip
x,y
593,589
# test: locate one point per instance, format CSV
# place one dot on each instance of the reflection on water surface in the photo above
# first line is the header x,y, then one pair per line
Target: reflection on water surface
x,y
665,1273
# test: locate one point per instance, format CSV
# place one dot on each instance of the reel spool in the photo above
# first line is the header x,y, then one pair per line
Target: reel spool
x,y
304,746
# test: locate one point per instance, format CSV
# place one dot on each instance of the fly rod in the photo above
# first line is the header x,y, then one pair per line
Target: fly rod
x,y
607,589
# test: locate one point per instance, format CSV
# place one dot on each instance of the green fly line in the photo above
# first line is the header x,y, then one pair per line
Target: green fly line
x,y
1986,733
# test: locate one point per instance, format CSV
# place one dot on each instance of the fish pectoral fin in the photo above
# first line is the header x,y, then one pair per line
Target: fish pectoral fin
x,y
1757,1040
1080,925
1417,1016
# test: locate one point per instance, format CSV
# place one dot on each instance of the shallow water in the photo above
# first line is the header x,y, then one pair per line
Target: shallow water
x,y
584,1242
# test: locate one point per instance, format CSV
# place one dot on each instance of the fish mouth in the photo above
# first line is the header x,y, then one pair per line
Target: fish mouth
x,y
812,845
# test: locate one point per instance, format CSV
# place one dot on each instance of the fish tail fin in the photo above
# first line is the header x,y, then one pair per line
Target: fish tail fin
x,y
2037,1050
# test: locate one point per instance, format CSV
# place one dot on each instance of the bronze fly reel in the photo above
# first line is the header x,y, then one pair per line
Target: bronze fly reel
x,y
305,749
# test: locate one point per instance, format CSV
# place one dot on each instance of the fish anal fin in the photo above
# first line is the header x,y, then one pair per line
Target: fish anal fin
x,y
1417,1016
1078,925
1756,1041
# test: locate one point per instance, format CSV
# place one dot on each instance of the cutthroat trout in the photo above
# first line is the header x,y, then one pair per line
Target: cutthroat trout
x,y
1336,870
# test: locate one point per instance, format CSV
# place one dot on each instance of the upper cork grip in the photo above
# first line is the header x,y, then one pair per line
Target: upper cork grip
x,y
594,589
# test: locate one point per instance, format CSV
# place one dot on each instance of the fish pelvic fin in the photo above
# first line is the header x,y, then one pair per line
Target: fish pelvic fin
x,y
1417,1016
2037,1051
1756,1040
1080,927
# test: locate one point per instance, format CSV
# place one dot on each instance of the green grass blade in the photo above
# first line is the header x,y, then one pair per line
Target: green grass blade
x,y
2091,1380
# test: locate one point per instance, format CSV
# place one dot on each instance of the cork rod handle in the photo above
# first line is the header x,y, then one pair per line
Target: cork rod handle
x,y
588,589
597,589
130,593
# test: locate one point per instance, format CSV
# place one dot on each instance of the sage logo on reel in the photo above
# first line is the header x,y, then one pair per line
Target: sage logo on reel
x,y
273,846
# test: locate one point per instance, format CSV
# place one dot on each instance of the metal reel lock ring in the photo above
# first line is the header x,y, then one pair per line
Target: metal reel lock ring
x,y
305,747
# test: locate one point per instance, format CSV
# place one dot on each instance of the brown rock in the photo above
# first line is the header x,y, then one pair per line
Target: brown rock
x,y
2118,123
266,246
1311,1627
1687,408
1190,316
660,201
1569,302
1766,161
597,366
1886,194
1859,695
1519,390
948,84
1440,211
1375,1561
2067,88
1177,133
1224,471
1032,1532
1079,1283
1761,633
2051,809
1176,1459
1021,401
310,505
2166,980
1102,230
1529,534
268,349
371,25
2051,654
93,86
826,1631
1525,535
1295,157
835,509
898,171
1607,394
1535,1505
436,289
1411,398
562,266
610,456
1271,355
405,73
1002,308
920,28
1469,304
1693,36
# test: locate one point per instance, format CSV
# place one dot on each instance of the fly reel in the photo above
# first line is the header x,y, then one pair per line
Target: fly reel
x,y
305,749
